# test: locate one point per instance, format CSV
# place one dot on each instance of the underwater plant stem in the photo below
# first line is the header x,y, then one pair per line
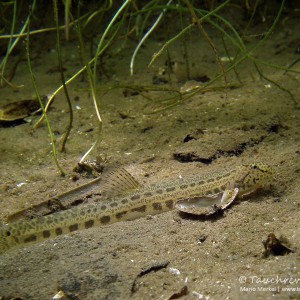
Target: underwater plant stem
x,y
288,69
204,33
59,89
92,75
68,4
275,83
182,32
62,173
66,135
92,87
246,54
37,31
145,37
10,41
74,77
230,59
252,14
270,31
89,73
15,42
185,51
10,84
100,48
187,28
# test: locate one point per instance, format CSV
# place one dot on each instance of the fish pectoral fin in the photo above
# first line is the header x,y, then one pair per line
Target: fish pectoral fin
x,y
208,204
119,182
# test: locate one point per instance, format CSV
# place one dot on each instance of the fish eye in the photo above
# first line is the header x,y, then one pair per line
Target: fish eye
x,y
7,233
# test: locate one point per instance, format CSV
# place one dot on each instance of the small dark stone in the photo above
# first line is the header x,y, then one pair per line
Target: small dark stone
x,y
275,246
202,237
130,93
188,138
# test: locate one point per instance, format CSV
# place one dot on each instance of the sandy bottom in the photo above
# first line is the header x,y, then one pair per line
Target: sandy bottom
x,y
168,255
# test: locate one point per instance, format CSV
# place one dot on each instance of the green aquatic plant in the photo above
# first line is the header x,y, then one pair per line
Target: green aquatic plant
x,y
242,53
139,21
60,64
54,152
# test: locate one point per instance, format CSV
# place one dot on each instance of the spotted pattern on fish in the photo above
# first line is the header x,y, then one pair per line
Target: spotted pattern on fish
x,y
151,199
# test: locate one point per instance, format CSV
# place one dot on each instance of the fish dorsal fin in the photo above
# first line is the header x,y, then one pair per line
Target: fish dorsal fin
x,y
119,182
